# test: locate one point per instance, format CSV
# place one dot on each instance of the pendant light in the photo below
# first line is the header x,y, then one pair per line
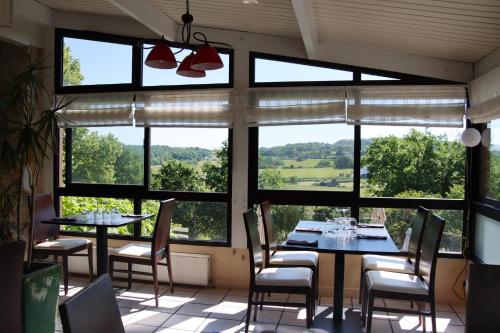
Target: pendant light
x,y
195,64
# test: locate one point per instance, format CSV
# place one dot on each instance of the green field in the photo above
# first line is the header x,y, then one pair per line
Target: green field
x,y
316,173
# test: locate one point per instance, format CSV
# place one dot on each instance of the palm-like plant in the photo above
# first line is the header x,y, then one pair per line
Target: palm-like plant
x,y
27,138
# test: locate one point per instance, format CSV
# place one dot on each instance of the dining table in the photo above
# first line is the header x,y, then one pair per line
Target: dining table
x,y
101,226
324,237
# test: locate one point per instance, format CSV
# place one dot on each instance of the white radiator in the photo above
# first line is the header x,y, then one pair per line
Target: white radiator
x,y
187,268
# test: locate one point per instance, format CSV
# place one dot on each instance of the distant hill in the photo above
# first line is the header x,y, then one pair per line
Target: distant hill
x,y
160,154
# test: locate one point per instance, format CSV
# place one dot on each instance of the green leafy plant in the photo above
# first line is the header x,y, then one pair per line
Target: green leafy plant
x,y
29,118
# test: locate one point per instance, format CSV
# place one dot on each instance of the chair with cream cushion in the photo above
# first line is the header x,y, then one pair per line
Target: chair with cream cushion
x,y
47,242
275,258
149,254
293,280
417,287
408,264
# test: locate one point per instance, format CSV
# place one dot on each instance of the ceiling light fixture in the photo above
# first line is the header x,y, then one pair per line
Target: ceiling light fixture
x,y
196,63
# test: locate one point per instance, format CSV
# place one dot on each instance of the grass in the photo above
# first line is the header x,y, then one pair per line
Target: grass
x,y
314,173
309,163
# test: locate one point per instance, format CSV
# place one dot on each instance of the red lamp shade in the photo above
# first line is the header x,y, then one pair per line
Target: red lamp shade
x,y
185,68
161,57
206,58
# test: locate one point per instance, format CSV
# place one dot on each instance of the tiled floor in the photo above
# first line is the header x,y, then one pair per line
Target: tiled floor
x,y
223,310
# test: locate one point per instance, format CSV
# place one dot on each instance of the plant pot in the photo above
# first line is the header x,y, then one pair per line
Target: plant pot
x,y
11,260
40,297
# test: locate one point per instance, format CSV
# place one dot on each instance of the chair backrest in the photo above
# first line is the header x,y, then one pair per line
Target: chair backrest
x,y
93,309
430,248
253,243
161,233
417,229
267,224
44,210
483,299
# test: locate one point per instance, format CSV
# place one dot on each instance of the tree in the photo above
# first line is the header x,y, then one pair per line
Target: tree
x,y
271,179
128,168
344,162
215,174
178,176
72,75
419,161
94,157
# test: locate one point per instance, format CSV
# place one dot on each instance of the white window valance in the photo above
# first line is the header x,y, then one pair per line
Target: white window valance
x,y
426,105
89,110
190,108
485,97
288,106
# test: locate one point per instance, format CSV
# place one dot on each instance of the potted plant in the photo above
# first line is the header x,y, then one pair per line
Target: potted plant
x,y
27,138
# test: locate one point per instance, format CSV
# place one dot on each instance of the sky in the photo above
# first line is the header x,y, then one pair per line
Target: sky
x,y
111,63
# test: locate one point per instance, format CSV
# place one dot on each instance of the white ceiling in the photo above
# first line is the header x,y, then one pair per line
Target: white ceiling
x,y
462,30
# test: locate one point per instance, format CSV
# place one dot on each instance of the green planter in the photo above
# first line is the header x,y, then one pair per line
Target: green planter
x,y
40,297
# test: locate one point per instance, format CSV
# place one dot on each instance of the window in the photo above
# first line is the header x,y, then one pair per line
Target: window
x,y
371,77
306,157
161,77
108,155
189,159
491,164
406,162
280,71
89,62
285,217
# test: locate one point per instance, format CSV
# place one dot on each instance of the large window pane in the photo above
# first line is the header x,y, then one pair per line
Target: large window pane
x,y
408,162
108,155
280,71
189,159
491,164
398,220
87,62
286,217
192,220
306,157
168,77
77,205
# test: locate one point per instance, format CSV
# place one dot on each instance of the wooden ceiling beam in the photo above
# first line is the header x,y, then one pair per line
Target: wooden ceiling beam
x,y
304,11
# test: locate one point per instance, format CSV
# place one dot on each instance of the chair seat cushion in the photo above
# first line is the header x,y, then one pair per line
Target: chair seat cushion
x,y
62,244
299,258
285,276
386,263
134,251
395,282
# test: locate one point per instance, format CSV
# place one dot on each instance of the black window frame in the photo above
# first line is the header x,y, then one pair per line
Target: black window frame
x,y
137,63
138,193
351,199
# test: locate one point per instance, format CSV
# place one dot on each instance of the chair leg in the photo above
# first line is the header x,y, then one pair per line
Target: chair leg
x,y
249,310
256,306
317,280
65,273
371,300
91,261
309,299
262,299
433,316
361,283
110,268
364,303
129,276
155,280
169,269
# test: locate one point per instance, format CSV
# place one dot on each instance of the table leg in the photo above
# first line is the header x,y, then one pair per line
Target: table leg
x,y
338,287
102,249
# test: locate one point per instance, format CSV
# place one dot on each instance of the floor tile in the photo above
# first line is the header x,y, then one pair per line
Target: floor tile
x,y
458,307
136,328
238,292
236,299
128,314
381,326
210,325
266,316
290,329
192,309
215,291
228,310
150,317
294,318
164,305
207,298
183,322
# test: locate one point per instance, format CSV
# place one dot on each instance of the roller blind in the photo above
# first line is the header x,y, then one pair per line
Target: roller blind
x,y
429,106
89,110
485,97
288,106
193,108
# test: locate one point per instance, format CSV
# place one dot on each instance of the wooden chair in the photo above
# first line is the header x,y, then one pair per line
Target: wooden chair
x,y
46,241
483,299
93,309
417,288
293,280
407,265
145,254
275,258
